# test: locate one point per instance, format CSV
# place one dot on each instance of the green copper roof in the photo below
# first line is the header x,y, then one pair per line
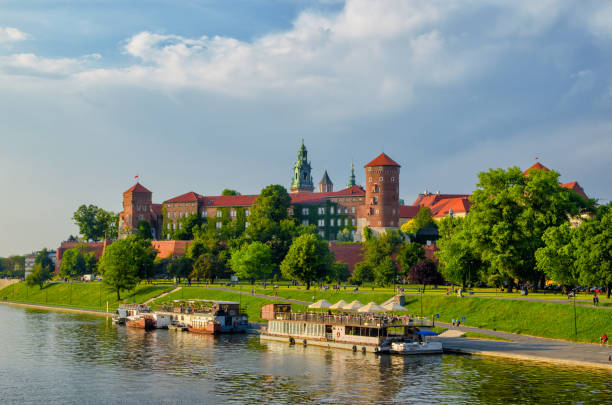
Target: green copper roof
x,y
302,178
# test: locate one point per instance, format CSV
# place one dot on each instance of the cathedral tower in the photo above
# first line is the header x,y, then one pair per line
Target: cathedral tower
x,y
302,179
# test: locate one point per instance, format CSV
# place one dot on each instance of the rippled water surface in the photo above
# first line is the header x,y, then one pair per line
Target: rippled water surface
x,y
63,358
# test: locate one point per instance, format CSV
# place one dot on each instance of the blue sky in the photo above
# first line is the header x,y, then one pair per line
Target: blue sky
x,y
203,95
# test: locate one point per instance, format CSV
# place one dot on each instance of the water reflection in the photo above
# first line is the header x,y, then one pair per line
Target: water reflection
x,y
72,358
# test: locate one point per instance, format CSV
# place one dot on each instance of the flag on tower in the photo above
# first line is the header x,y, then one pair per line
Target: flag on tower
x,y
136,176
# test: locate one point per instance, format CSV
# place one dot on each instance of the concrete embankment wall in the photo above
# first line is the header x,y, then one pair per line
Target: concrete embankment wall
x,y
5,282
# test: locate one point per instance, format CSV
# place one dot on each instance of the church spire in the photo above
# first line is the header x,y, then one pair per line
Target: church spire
x,y
351,182
302,178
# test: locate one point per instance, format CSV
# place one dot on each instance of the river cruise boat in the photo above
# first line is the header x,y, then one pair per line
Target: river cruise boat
x,y
374,333
140,316
207,316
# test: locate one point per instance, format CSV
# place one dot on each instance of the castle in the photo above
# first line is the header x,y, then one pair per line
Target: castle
x,y
349,210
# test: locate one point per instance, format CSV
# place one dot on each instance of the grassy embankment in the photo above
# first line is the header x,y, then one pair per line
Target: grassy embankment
x,y
92,296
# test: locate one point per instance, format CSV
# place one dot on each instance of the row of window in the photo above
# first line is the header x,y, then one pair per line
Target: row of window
x,y
381,179
174,226
205,214
338,222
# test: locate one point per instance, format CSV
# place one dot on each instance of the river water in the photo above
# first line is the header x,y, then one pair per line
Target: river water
x,y
63,358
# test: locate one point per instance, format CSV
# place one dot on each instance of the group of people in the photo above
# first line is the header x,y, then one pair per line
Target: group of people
x,y
456,322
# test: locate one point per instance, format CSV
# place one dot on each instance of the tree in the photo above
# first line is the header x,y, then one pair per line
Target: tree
x,y
339,273
425,272
180,267
422,220
38,276
458,260
189,227
207,266
125,262
308,259
410,254
228,191
510,213
593,251
94,223
385,271
252,261
144,230
76,262
45,261
363,273
556,258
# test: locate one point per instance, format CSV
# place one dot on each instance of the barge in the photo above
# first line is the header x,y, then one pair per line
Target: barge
x,y
140,316
367,333
206,316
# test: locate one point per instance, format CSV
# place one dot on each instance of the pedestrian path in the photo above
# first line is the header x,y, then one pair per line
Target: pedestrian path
x,y
161,295
528,348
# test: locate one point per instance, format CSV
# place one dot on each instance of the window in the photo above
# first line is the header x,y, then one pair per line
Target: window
x,y
393,179
305,211
339,222
173,226
218,225
377,211
246,224
393,211
345,221
321,210
305,222
168,226
375,200
379,223
290,212
331,210
141,217
353,221
180,225
247,212
321,222
353,210
174,214
322,234
381,179
167,215
233,213
369,179
204,214
219,213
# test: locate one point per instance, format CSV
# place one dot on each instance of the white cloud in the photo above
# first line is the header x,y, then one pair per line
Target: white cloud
x,y
10,34
31,64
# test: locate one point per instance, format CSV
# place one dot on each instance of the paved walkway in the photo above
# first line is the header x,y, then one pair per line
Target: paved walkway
x,y
529,348
161,295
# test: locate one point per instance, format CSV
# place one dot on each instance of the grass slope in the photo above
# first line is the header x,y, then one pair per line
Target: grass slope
x,y
78,295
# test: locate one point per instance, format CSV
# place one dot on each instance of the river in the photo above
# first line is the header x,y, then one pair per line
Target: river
x,y
64,358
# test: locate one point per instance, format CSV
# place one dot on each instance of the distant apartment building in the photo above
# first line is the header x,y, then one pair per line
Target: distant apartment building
x,y
31,258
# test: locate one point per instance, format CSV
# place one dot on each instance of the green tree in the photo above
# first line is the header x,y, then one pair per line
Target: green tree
x,y
207,266
339,273
510,213
422,220
308,259
45,261
39,275
385,271
252,262
144,230
410,254
228,191
458,260
77,262
593,251
426,273
180,267
125,262
189,228
363,273
94,223
556,258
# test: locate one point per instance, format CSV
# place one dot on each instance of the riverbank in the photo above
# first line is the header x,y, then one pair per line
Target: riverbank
x,y
57,308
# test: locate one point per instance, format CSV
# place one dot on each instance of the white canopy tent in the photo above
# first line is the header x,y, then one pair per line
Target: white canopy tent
x,y
321,304
371,308
339,305
353,306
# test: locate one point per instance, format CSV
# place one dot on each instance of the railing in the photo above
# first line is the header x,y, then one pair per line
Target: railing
x,y
356,320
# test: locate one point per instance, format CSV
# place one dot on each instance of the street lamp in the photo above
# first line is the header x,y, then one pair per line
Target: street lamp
x,y
575,321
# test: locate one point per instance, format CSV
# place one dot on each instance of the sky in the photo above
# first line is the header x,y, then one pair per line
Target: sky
x,y
205,95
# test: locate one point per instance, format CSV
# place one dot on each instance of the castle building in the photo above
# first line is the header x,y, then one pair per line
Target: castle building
x,y
138,207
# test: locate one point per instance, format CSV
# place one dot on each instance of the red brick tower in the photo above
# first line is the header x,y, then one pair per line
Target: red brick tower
x,y
381,208
137,202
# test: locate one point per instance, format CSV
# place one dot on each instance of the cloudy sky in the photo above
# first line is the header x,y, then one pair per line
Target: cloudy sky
x,y
202,95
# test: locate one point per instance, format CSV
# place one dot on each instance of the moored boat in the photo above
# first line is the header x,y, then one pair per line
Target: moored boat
x,y
207,316
372,333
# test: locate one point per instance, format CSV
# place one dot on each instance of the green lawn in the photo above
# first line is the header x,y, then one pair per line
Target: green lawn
x,y
78,295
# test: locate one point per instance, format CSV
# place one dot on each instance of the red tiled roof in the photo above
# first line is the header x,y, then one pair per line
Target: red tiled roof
x,y
537,166
230,200
314,198
137,188
408,211
443,207
190,196
170,248
382,160
429,200
576,187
